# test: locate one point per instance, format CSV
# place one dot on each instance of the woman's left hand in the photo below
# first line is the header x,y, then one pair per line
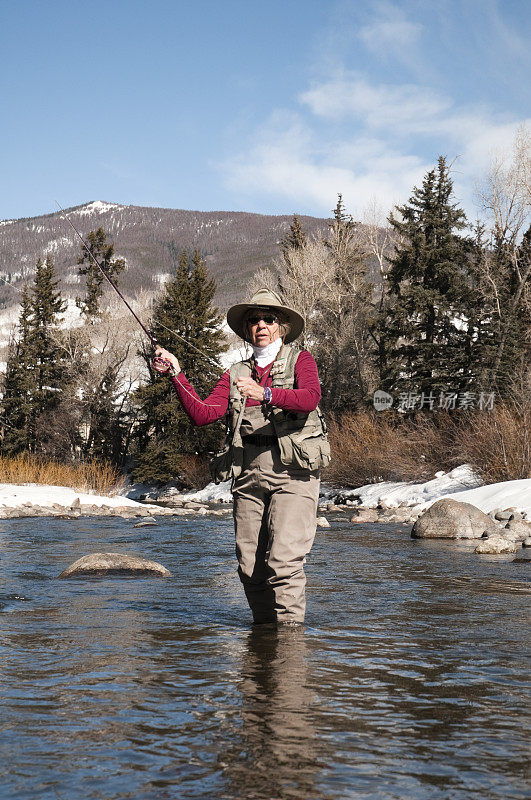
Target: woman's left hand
x,y
250,388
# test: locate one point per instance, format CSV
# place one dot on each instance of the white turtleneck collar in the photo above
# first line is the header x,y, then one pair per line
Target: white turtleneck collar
x,y
265,355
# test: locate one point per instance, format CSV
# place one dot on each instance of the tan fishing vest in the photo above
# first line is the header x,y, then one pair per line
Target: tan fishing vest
x,y
301,437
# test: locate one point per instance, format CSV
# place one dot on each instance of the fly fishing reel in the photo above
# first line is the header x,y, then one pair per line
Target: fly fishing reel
x,y
163,366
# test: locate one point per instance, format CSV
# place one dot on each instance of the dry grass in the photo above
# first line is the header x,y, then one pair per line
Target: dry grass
x,y
373,446
91,476
499,447
194,472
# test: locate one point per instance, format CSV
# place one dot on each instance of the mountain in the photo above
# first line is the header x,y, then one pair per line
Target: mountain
x,y
234,244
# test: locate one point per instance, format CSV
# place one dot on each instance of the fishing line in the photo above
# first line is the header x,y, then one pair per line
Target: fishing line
x,y
148,334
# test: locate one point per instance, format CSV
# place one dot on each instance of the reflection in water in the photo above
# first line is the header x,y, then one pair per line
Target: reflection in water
x,y
409,681
272,751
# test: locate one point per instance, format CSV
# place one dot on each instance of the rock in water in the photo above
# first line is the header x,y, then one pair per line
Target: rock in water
x,y
450,519
114,564
495,544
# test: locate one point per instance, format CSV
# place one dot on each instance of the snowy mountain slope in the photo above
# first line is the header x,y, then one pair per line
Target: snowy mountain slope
x,y
235,245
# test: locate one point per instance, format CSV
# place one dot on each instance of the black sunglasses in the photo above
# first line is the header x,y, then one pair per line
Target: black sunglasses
x,y
269,319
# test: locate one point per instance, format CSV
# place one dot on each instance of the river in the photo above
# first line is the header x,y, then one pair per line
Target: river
x,y
407,682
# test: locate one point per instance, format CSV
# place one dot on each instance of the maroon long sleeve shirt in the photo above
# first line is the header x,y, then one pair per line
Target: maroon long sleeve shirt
x,y
304,397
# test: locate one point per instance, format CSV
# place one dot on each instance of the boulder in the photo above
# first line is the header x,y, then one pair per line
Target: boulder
x,y
504,514
450,519
496,544
322,522
399,514
114,563
517,530
365,515
527,542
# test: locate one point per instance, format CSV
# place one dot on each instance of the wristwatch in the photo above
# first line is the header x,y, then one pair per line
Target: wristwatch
x,y
268,394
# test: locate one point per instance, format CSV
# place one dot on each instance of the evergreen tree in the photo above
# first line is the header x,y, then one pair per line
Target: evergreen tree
x,y
295,239
103,252
34,379
46,305
19,386
164,433
426,329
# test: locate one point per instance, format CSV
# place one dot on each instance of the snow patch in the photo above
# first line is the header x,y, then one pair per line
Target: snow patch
x,y
96,207
212,493
12,495
54,244
508,494
394,494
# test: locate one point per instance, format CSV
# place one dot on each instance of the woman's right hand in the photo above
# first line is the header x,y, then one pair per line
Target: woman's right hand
x,y
160,352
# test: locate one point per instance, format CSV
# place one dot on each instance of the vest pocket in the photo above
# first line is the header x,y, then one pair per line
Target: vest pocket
x,y
312,452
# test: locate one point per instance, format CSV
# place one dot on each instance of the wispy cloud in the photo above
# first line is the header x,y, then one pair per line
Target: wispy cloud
x,y
289,160
394,34
383,105
352,133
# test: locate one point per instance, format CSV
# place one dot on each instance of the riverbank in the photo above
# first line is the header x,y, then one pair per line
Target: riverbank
x,y
36,500
384,501
461,484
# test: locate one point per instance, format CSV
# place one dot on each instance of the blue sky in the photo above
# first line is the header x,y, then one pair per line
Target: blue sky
x,y
268,107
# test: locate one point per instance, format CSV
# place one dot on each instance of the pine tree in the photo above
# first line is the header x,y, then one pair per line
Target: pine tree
x,y
35,379
19,386
295,239
103,252
426,329
46,305
164,433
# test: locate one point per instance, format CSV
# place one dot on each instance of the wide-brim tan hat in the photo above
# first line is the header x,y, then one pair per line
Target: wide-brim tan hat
x,y
265,298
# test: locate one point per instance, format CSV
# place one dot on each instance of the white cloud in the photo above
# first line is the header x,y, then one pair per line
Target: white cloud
x,y
287,159
365,140
382,105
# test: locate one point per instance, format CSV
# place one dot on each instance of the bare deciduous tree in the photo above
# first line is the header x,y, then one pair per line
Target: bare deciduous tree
x,y
505,266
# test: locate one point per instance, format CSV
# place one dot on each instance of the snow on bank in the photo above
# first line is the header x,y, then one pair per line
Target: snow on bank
x,y
461,484
13,496
509,494
394,494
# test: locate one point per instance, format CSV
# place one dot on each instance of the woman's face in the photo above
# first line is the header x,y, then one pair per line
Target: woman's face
x,y
263,326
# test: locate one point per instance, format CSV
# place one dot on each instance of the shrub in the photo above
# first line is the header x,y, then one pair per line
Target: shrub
x,y
373,446
194,472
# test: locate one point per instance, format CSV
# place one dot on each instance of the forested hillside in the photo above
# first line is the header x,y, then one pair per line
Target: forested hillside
x,y
234,245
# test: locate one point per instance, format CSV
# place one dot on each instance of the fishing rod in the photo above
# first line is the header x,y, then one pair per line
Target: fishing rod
x,y
158,361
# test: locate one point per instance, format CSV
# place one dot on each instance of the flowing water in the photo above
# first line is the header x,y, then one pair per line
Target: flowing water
x,y
408,681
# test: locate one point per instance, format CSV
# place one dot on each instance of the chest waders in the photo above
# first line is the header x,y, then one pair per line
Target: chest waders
x,y
275,485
